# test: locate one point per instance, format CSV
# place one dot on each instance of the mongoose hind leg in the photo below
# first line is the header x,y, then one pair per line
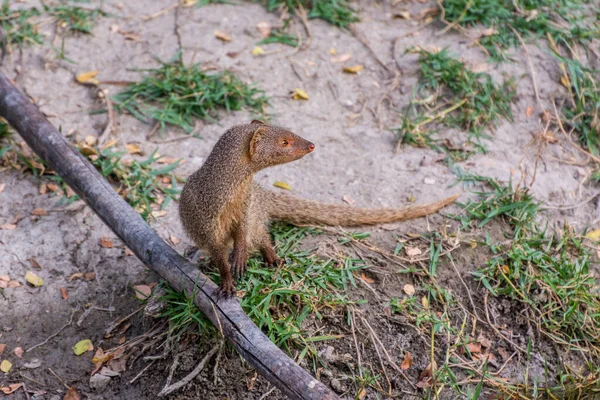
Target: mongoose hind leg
x,y
268,252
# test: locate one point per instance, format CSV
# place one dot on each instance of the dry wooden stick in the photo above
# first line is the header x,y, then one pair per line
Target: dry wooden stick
x,y
252,344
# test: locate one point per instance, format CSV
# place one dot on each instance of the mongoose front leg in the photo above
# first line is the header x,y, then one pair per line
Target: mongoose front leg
x,y
218,257
239,256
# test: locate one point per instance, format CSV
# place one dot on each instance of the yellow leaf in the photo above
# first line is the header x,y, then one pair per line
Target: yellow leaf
x,y
90,140
159,213
565,81
264,28
407,362
82,346
257,51
222,36
5,366
299,94
354,70
88,151
593,235
341,58
133,148
282,185
425,302
505,269
33,279
109,144
142,292
88,77
332,51
402,15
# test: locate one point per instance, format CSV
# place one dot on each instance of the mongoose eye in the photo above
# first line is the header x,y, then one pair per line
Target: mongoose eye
x,y
284,142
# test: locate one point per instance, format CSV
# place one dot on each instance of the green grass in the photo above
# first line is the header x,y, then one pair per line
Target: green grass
x,y
450,94
279,300
137,181
336,12
176,94
279,35
563,20
17,26
73,19
582,108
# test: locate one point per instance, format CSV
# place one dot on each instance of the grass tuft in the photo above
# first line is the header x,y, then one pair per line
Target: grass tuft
x,y
176,94
450,94
564,20
73,19
336,12
17,28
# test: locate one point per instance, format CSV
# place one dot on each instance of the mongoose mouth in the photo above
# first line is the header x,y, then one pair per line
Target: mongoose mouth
x,y
311,147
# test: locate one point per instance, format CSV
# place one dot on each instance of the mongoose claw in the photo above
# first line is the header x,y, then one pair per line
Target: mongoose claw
x,y
238,267
278,262
226,289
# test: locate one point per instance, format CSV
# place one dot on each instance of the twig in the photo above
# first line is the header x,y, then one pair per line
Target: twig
x,y
216,367
141,372
264,396
188,378
110,124
178,34
571,206
531,69
352,323
562,129
57,332
108,331
465,285
159,13
365,43
58,377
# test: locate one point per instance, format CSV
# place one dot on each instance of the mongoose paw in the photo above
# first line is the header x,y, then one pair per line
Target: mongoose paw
x,y
226,289
238,267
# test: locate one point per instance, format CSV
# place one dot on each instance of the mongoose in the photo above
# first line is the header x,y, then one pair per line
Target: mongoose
x,y
221,206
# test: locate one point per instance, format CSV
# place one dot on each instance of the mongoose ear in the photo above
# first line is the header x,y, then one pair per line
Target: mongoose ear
x,y
256,138
257,122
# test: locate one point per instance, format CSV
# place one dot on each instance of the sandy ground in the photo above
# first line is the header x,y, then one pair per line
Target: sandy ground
x,y
345,117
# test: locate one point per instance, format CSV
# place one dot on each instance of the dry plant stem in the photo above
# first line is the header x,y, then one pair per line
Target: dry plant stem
x,y
568,137
264,396
365,43
168,389
57,332
135,378
466,287
531,69
216,367
110,124
252,344
572,206
352,324
159,13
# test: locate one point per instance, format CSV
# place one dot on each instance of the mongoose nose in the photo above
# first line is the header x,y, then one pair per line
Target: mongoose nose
x,y
311,147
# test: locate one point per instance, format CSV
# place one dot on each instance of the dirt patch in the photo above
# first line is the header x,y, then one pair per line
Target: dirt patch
x,y
347,117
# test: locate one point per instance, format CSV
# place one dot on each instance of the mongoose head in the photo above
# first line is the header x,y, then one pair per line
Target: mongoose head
x,y
271,145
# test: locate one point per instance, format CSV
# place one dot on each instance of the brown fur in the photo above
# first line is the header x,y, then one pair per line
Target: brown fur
x,y
221,206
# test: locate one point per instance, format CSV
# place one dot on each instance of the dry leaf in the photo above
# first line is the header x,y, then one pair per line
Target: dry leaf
x,y
82,346
159,213
428,12
43,188
412,251
474,347
565,81
4,278
361,395
142,292
106,242
299,94
257,51
8,227
282,185
39,212
76,275
88,151
18,352
333,51
72,394
402,15
347,199
593,235
91,140
425,302
13,284
63,293
52,187
2,348
5,366
167,160
505,269
366,278
485,342
529,111
33,279
409,289
354,69
88,77
3,285
222,36
109,144
341,58
480,67
407,362
264,28
133,148
2,186
34,263
128,251
425,376
174,239
89,276
10,388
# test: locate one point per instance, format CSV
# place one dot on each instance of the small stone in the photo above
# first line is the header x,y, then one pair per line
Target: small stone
x,y
327,373
99,382
338,386
429,181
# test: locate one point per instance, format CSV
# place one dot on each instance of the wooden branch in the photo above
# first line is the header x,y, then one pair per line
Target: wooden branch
x,y
226,314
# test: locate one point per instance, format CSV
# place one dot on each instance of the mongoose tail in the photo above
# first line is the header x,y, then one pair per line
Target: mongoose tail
x,y
282,207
